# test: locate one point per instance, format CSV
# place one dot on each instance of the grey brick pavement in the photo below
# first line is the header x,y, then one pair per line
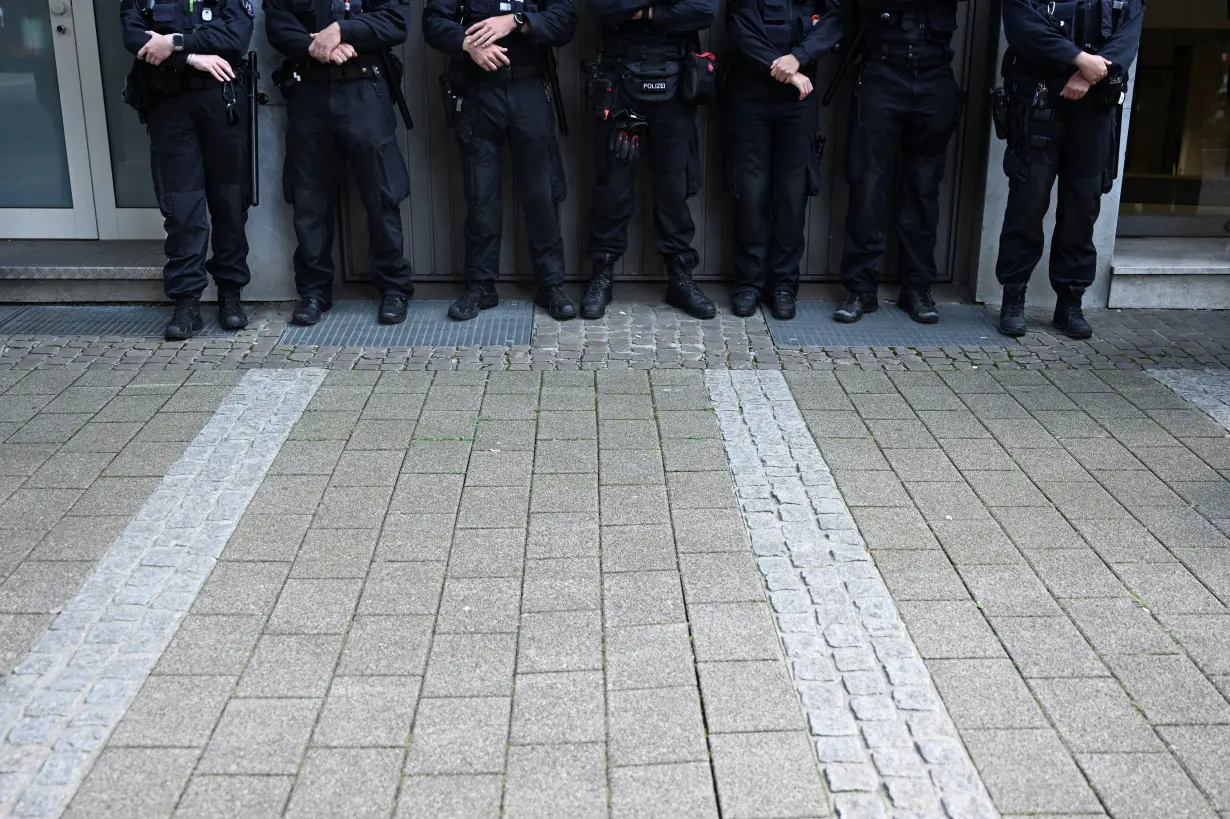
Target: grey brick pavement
x,y
637,335
58,704
476,593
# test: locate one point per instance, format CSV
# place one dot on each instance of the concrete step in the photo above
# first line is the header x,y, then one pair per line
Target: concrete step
x,y
43,260
1181,273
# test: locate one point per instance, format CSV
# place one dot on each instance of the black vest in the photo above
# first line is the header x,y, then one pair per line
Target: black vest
x,y
1089,24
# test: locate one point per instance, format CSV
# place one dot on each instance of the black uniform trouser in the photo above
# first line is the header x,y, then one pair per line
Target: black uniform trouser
x,y
516,112
200,166
674,155
772,167
1080,153
906,116
332,124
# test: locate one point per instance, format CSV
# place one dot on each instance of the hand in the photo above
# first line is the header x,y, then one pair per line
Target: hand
x,y
803,83
323,42
489,58
1076,88
643,14
342,53
1092,67
488,31
159,47
213,65
784,67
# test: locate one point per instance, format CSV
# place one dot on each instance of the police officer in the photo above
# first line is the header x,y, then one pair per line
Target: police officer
x,y
643,53
1065,74
188,87
499,72
339,93
906,108
773,147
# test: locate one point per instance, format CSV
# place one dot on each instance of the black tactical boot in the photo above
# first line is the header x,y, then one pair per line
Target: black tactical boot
x,y
743,303
556,302
1071,319
684,294
1012,311
186,321
309,310
781,305
392,308
479,295
857,304
918,303
230,310
601,287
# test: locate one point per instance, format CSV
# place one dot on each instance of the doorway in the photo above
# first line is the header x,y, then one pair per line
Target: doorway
x,y
73,157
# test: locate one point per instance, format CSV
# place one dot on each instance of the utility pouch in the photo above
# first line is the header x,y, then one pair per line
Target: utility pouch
x,y
452,100
700,73
1112,91
600,90
651,81
136,91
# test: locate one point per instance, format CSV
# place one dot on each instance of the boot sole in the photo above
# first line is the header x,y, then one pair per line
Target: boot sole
x,y
390,320
705,316
231,327
848,319
1010,333
555,314
184,336
591,315
1063,328
456,316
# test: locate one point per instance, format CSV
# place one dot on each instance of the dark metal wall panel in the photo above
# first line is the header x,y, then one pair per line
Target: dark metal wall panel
x,y
434,214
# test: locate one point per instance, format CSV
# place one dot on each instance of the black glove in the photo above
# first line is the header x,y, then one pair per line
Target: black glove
x,y
627,136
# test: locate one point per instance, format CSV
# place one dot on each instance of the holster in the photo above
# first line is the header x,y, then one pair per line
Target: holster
x,y
137,93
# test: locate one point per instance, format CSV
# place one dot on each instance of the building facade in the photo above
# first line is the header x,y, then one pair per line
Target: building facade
x,y
78,220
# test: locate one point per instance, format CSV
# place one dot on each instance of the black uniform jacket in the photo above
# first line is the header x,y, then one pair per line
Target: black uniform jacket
x,y
222,27
371,26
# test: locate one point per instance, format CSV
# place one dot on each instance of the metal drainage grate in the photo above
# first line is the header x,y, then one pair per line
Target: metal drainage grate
x,y
129,322
960,325
353,324
8,311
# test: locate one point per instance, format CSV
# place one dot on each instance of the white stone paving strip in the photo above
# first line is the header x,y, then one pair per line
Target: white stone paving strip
x,y
62,701
883,738
1207,389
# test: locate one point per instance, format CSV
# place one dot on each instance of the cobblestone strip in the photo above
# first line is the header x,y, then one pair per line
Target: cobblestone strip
x,y
61,702
883,738
1208,389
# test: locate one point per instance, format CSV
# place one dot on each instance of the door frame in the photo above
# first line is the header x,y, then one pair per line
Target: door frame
x,y
113,222
78,221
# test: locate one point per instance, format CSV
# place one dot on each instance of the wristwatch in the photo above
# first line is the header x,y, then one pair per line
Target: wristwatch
x,y
177,42
519,18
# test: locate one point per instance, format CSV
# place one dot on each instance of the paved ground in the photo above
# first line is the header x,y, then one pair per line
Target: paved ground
x,y
987,587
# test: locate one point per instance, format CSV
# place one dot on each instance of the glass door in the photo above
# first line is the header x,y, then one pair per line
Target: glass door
x,y
1176,178
44,163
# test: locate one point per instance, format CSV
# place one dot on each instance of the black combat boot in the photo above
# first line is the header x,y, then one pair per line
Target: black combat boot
x,y
782,305
601,287
856,305
556,303
918,303
1012,311
393,308
743,303
309,310
1070,318
479,295
230,309
186,321
684,294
